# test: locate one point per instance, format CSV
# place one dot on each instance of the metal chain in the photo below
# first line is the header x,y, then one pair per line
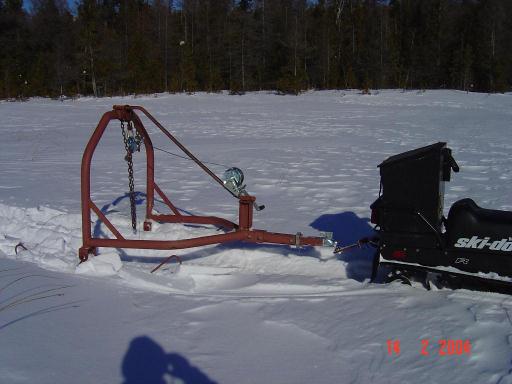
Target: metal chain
x,y
131,184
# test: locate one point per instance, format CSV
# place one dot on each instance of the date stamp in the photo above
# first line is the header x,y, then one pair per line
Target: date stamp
x,y
443,347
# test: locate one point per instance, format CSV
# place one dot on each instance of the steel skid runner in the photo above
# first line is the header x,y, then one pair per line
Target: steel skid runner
x,y
242,231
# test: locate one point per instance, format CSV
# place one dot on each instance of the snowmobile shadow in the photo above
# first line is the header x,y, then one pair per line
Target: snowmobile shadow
x,y
347,229
146,362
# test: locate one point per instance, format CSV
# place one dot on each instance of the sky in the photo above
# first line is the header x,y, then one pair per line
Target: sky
x,y
27,5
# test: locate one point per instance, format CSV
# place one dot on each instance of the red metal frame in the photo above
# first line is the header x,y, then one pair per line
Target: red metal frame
x,y
238,232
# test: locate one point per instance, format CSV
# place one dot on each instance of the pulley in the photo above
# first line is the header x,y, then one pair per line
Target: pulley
x,y
233,179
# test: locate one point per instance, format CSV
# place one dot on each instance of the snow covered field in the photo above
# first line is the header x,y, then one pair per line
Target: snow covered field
x,y
241,313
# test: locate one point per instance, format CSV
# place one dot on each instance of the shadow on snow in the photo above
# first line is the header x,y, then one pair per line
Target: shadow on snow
x,y
146,362
347,229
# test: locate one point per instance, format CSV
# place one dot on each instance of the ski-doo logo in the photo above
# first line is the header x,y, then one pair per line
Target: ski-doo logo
x,y
476,242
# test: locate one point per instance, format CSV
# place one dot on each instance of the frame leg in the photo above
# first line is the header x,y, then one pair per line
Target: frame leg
x,y
84,252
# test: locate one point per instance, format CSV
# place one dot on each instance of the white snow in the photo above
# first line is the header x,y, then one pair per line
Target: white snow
x,y
106,264
240,313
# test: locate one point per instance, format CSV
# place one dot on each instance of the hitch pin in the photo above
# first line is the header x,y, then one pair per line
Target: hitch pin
x,y
359,244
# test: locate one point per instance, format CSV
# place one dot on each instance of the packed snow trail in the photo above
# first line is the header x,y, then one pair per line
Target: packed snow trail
x,y
241,313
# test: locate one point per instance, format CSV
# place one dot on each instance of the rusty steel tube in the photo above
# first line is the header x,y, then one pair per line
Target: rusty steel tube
x,y
169,244
211,220
150,164
181,146
260,236
85,176
166,200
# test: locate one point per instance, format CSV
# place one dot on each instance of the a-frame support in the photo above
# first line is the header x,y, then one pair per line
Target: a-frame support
x,y
237,232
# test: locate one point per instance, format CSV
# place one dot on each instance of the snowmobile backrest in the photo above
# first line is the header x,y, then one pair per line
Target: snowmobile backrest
x,y
413,189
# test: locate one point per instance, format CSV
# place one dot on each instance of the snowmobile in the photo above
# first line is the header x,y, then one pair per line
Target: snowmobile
x,y
472,246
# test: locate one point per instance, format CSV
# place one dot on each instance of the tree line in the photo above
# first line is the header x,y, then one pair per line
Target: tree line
x,y
116,47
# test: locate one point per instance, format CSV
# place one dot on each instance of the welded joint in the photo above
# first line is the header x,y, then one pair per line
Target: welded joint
x,y
123,112
85,251
298,237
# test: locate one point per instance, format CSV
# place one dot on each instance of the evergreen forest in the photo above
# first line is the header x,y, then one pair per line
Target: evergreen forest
x,y
117,47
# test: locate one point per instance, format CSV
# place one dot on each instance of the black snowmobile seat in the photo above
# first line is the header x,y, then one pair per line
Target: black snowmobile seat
x,y
466,219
